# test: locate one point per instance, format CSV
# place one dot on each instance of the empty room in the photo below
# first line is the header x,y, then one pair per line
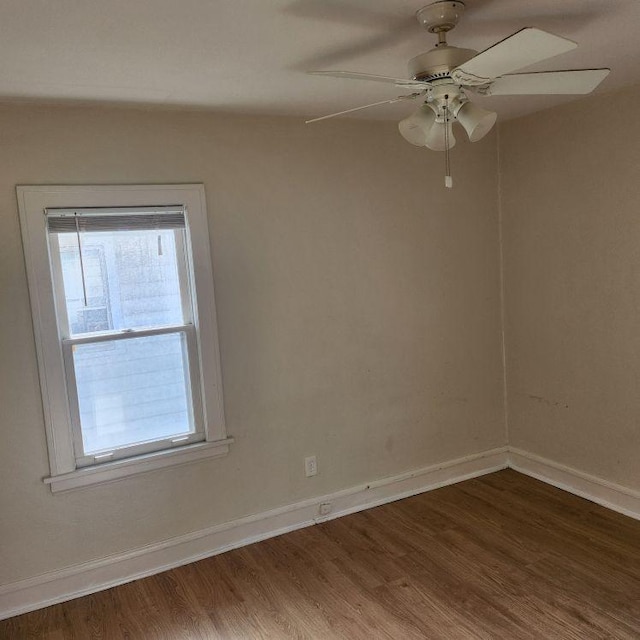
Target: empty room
x,y
319,320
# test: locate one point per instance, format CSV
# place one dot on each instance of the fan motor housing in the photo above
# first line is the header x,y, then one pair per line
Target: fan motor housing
x,y
439,62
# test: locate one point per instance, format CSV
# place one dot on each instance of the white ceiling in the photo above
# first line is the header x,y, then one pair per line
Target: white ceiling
x,y
249,56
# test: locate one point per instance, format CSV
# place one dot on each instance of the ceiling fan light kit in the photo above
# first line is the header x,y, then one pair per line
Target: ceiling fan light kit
x,y
477,122
414,129
442,76
426,128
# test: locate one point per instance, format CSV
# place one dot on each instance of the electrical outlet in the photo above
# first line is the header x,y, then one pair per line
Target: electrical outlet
x,y
310,466
325,508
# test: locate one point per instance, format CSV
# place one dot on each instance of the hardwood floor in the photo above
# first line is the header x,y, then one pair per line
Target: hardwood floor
x,y
502,556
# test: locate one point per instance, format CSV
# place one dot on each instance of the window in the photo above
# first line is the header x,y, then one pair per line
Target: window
x,y
122,296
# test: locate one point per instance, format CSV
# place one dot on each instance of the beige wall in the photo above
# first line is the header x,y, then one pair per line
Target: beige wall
x,y
358,304
571,226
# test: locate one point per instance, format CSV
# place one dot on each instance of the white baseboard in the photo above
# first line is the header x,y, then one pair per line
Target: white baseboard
x,y
608,494
90,577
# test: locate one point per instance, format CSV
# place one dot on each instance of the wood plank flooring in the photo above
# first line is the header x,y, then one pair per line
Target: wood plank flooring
x,y
502,556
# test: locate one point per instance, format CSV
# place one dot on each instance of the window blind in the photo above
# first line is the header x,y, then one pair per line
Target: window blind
x,y
115,219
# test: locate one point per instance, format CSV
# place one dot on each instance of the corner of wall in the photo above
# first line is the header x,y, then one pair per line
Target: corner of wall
x,y
505,396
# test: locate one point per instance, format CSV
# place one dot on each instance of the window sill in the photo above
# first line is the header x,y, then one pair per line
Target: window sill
x,y
110,471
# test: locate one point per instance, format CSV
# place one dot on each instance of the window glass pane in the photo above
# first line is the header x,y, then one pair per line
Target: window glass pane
x,y
130,277
132,390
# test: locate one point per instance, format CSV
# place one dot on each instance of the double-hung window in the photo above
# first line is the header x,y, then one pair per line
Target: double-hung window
x,y
122,296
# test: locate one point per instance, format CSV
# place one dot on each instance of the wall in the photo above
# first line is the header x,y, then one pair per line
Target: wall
x,y
571,229
359,316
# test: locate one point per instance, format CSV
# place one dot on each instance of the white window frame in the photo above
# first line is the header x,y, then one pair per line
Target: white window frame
x,y
33,201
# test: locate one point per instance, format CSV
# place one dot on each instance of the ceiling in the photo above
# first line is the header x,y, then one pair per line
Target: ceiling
x,y
249,56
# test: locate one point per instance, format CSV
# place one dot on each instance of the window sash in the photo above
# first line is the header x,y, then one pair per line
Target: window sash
x,y
150,446
187,298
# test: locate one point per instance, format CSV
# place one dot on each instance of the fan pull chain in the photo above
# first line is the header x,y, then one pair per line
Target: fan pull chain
x,y
448,180
84,283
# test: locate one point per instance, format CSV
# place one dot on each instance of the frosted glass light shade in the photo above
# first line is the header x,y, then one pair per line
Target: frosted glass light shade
x,y
417,126
476,121
436,138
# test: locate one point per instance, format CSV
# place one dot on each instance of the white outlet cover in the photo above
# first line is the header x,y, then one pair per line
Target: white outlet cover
x,y
310,466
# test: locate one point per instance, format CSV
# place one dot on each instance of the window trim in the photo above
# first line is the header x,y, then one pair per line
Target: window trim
x,y
33,200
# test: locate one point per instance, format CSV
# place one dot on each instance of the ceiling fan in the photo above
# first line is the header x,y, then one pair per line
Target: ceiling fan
x,y
443,76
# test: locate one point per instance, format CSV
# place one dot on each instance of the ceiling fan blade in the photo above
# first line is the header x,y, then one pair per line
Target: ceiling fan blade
x,y
354,75
411,96
580,81
523,48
